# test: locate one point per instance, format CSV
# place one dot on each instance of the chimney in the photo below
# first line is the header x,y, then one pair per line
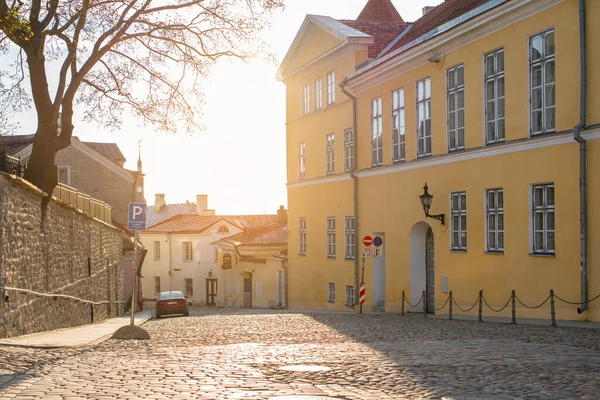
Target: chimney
x,y
202,205
426,9
282,215
159,201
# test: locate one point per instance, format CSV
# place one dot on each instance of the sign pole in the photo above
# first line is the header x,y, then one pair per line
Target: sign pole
x,y
362,281
134,278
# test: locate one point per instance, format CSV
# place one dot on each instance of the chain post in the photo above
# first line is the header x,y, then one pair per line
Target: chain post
x,y
450,305
403,303
424,305
480,315
552,311
514,310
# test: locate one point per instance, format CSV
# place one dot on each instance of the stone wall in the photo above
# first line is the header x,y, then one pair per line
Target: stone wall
x,y
66,252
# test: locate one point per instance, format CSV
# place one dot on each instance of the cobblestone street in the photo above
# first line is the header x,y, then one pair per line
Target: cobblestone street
x,y
238,354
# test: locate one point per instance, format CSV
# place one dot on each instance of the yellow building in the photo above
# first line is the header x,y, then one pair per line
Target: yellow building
x,y
491,104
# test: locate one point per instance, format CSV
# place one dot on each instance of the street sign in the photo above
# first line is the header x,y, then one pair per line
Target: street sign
x,y
377,252
367,251
136,220
367,241
377,241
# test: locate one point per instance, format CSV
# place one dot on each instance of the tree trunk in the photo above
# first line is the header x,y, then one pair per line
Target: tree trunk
x,y
41,170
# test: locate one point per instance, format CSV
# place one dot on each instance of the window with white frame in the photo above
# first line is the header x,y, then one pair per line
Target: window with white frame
x,y
376,133
329,154
156,248
424,117
64,175
318,94
189,287
349,150
331,87
543,219
494,96
456,108
398,134
188,251
543,79
157,284
458,220
494,209
331,237
349,237
301,160
302,235
331,292
349,295
305,99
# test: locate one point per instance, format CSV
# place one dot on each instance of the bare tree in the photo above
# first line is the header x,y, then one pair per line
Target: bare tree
x,y
140,57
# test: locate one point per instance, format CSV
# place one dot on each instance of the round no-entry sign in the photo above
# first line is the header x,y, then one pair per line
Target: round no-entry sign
x,y
367,241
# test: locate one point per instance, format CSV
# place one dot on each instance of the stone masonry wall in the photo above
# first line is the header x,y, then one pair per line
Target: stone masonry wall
x,y
66,252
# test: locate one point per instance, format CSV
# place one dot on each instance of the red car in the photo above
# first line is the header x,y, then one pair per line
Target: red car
x,y
171,303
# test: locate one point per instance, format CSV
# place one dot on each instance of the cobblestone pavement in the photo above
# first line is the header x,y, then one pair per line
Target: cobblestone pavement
x,y
237,354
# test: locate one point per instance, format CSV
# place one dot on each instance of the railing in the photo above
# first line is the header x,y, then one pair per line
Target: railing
x,y
11,165
88,205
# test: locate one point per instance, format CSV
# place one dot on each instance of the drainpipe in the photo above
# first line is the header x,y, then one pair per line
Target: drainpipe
x,y
170,263
582,157
355,181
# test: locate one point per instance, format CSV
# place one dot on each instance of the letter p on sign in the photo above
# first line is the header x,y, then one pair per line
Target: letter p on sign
x,y
136,220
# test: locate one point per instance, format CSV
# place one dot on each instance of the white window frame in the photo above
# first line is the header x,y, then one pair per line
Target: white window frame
x,y
423,96
188,293
188,251
66,168
318,93
331,292
349,238
157,285
330,242
302,236
455,90
376,132
350,295
302,160
330,154
156,250
349,150
398,126
305,99
546,209
548,89
494,220
493,74
330,88
458,221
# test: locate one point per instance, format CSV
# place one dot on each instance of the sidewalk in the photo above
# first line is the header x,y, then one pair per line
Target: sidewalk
x,y
82,335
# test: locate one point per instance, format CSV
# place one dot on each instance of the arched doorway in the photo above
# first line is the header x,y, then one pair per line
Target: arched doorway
x,y
422,276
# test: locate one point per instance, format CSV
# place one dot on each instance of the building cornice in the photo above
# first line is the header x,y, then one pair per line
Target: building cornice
x,y
319,181
419,52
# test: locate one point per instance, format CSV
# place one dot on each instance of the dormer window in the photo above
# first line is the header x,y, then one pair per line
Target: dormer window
x,y
223,229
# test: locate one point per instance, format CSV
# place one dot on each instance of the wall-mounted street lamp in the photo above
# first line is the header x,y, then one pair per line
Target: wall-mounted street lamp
x,y
426,200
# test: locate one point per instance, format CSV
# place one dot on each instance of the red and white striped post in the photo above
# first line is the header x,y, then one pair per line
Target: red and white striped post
x,y
363,293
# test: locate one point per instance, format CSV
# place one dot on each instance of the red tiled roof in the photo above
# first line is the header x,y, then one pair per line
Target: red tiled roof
x,y
168,211
256,236
198,223
379,10
382,31
445,12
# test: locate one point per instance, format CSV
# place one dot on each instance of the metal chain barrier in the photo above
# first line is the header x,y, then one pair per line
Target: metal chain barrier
x,y
532,307
442,307
467,310
577,302
493,309
415,305
61,296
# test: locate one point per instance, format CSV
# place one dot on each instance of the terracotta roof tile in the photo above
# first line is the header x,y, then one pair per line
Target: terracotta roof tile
x,y
274,233
199,223
383,32
445,12
379,10
168,211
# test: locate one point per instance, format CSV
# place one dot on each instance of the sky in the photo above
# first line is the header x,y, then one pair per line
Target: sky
x,y
239,159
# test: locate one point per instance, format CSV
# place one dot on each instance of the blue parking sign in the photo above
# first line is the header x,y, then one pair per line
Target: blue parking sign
x,y
136,220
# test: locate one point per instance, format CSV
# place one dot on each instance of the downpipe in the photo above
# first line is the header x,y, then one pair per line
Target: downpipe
x,y
582,157
355,182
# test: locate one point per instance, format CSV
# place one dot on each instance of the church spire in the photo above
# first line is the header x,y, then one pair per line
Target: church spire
x,y
379,10
139,163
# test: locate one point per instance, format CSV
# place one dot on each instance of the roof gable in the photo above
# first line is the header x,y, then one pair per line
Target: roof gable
x,y
379,10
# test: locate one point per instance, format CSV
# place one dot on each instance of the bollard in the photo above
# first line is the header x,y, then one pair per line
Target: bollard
x,y
424,305
480,318
552,312
514,311
403,303
450,305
